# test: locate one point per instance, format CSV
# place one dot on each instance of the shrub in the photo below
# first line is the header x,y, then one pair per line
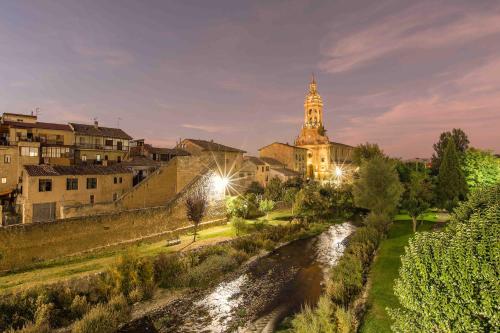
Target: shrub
x,y
168,269
448,280
346,279
209,270
239,225
79,306
237,207
248,245
132,273
104,318
316,320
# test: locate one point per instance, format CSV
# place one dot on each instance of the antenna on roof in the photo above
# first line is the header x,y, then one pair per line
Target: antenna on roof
x,y
118,122
35,111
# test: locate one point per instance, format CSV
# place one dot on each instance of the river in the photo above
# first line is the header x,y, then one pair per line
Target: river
x,y
264,292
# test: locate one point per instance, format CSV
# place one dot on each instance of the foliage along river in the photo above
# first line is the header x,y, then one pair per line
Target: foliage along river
x,y
262,294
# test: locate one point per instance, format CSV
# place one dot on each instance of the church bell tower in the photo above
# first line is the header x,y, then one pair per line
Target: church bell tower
x,y
313,131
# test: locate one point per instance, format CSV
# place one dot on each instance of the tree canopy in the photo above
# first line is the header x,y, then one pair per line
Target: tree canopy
x,y
448,280
274,190
417,196
451,186
461,144
481,168
378,187
365,152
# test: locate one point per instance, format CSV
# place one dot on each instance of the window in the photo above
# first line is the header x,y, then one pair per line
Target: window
x,y
121,180
92,199
115,196
84,158
98,157
7,159
322,159
29,151
4,180
119,159
105,157
91,183
55,152
71,184
44,185
109,143
115,180
267,168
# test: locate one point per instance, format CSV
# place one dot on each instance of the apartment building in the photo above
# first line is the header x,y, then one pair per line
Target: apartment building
x,y
293,157
96,144
48,189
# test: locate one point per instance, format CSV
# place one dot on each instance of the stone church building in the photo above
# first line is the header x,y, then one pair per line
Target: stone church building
x,y
326,161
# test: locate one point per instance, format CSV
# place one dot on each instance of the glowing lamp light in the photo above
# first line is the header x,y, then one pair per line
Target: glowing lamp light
x,y
220,184
338,171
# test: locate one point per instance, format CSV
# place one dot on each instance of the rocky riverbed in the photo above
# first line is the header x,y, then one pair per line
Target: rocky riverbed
x,y
259,295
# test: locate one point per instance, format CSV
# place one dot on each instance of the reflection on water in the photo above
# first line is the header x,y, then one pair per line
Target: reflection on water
x,y
221,303
265,292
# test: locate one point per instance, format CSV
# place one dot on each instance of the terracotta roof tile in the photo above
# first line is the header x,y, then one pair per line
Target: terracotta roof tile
x,y
84,129
68,170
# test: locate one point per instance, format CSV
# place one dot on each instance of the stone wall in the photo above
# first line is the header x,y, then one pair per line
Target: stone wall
x,y
25,245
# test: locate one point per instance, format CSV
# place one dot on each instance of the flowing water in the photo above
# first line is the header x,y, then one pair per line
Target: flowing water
x,y
266,291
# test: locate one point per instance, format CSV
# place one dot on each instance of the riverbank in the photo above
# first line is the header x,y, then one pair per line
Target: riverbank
x,y
270,285
65,269
384,271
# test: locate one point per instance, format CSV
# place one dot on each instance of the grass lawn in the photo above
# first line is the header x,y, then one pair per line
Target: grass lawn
x,y
383,273
67,268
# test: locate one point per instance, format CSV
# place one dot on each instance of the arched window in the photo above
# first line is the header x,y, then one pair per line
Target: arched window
x,y
310,110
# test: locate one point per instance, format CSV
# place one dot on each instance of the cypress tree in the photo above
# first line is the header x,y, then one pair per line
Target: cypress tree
x,y
451,181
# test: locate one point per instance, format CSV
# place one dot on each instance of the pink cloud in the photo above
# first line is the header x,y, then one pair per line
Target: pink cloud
x,y
107,55
417,27
410,128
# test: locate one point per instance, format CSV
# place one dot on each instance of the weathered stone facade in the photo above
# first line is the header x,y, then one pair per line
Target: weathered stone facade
x,y
324,158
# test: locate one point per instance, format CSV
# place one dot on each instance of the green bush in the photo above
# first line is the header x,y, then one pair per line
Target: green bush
x,y
346,280
239,225
247,244
79,306
210,270
104,318
168,270
448,280
132,274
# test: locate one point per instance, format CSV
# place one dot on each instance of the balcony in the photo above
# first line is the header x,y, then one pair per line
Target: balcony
x,y
101,147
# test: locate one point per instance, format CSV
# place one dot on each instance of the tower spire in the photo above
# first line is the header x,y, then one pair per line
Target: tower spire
x,y
313,80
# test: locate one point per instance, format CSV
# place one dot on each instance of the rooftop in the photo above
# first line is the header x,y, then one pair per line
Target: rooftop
x,y
93,130
73,170
213,146
286,172
52,126
254,160
283,144
171,151
271,161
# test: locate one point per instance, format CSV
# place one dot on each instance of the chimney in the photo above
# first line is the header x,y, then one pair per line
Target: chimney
x,y
96,123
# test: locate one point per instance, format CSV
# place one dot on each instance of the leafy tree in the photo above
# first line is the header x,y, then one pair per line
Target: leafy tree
x,y
461,144
337,200
237,206
255,188
448,280
289,195
309,202
378,187
417,196
265,206
196,207
274,190
481,168
451,186
295,182
239,225
364,152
